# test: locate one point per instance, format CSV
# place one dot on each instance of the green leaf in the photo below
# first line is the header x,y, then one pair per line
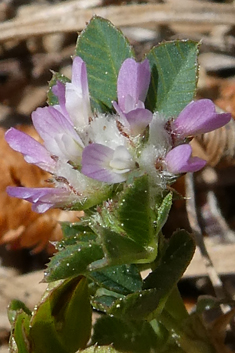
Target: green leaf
x,y
19,340
159,284
174,262
103,302
136,306
95,194
120,250
165,343
14,308
175,306
174,73
135,337
43,332
75,229
74,260
51,98
190,334
61,323
74,233
135,214
98,349
103,48
207,303
72,312
163,212
122,279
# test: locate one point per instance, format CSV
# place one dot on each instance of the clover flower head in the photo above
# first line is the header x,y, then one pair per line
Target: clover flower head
x,y
87,153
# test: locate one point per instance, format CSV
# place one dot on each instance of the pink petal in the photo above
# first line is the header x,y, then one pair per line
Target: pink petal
x,y
138,120
133,80
179,160
32,150
59,91
95,164
198,118
42,198
77,94
79,76
52,126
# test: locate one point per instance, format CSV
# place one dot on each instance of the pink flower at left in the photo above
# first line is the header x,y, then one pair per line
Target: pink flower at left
x,y
61,151
86,153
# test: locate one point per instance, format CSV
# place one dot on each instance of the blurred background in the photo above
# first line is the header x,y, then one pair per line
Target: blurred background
x,y
39,36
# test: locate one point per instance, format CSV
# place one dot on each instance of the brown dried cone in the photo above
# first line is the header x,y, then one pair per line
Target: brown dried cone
x,y
19,225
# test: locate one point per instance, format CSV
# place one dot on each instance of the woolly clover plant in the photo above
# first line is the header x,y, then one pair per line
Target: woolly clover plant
x,y
115,138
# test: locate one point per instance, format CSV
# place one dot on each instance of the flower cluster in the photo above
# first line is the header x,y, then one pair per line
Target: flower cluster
x,y
89,152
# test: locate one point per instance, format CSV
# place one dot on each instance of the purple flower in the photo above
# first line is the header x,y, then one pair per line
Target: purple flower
x,y
59,90
198,118
87,154
102,163
73,97
63,129
132,84
33,151
42,198
180,160
132,87
77,100
58,134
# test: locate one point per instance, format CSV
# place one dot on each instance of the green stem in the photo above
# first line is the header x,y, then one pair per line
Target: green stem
x,y
175,306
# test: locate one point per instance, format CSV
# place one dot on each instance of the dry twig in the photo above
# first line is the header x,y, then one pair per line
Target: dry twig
x,y
193,221
70,17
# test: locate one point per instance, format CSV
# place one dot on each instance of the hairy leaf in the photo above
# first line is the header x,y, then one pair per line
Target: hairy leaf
x,y
174,74
104,48
74,260
159,284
